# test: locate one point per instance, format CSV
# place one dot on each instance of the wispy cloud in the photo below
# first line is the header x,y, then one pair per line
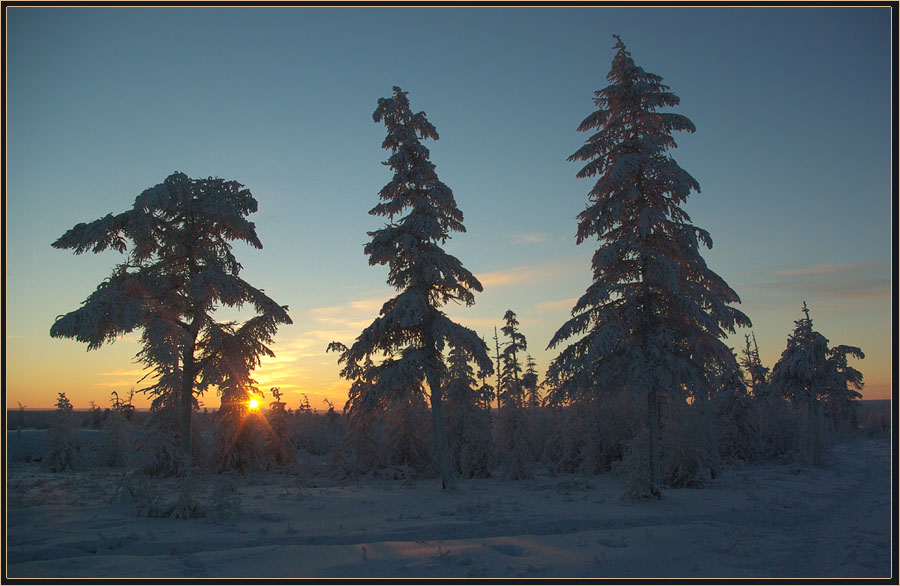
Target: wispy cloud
x,y
368,306
529,237
301,364
567,303
528,274
511,276
828,269
139,372
120,384
857,281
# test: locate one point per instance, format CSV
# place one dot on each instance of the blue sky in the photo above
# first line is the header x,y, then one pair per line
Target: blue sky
x,y
792,151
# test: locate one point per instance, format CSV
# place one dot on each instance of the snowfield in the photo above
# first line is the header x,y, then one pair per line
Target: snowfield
x,y
755,521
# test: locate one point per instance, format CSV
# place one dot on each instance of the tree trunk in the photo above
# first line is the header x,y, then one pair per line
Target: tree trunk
x,y
655,474
186,406
813,439
499,380
441,451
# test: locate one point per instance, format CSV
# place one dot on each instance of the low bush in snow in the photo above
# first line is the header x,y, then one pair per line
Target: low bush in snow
x,y
63,450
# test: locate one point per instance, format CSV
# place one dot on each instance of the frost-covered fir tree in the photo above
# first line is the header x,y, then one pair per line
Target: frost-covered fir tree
x,y
412,332
116,447
530,384
179,268
512,428
64,449
757,375
801,376
655,313
468,418
511,389
808,374
844,386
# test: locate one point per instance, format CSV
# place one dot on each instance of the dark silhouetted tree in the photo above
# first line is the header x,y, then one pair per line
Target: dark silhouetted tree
x,y
412,332
178,269
809,374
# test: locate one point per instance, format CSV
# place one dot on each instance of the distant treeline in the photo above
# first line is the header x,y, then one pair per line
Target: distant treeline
x,y
872,414
45,418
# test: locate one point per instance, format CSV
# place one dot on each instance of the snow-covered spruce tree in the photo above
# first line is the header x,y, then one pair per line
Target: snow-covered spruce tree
x,y
280,448
845,382
63,449
512,428
530,385
116,447
655,313
412,332
808,374
757,375
801,376
468,418
179,269
512,391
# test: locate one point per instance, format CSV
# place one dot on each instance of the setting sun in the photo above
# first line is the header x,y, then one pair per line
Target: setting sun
x,y
254,403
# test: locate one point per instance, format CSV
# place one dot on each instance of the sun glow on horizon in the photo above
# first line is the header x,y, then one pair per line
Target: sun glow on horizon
x,y
254,403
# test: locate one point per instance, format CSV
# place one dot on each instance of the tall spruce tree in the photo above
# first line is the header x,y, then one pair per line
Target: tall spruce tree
x,y
655,313
179,269
512,427
412,332
530,383
511,388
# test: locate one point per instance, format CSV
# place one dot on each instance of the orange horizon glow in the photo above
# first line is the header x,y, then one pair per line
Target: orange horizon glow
x,y
81,399
39,368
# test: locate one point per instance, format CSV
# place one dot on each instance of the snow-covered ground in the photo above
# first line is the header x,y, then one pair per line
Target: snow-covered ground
x,y
759,521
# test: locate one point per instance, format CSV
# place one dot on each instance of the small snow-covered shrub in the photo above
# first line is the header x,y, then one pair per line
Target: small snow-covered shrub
x,y
240,441
362,450
157,452
184,507
317,434
690,446
777,430
815,444
589,436
467,417
540,431
469,439
25,446
876,423
514,452
226,501
563,448
280,448
115,448
141,492
377,436
407,433
471,447
615,419
63,448
634,467
738,426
